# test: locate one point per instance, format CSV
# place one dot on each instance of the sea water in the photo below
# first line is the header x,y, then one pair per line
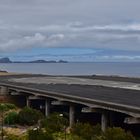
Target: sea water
x,y
131,69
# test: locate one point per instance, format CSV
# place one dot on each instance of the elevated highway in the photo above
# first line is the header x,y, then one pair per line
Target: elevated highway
x,y
92,92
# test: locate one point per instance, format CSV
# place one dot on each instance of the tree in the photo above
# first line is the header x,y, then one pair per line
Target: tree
x,y
54,123
38,134
86,131
29,116
11,118
115,133
7,106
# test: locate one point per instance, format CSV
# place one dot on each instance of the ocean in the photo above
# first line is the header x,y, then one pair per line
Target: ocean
x,y
130,69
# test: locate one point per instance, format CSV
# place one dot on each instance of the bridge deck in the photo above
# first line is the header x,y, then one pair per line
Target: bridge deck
x,y
121,93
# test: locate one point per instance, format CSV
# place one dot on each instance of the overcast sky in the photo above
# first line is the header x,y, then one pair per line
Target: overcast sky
x,y
75,30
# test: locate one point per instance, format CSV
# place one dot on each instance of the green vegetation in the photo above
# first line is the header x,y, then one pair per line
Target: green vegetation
x,y
7,106
54,123
86,131
55,127
69,136
11,118
28,116
115,133
13,137
38,134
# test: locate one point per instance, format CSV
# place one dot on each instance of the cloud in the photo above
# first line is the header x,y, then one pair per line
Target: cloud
x,y
80,27
118,58
70,34
98,24
31,41
62,23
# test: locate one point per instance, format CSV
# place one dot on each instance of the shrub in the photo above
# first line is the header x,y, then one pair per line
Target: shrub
x,y
61,136
54,123
10,106
11,118
7,106
117,134
15,137
86,131
38,134
29,116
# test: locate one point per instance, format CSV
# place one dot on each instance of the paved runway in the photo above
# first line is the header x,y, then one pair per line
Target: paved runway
x,y
79,81
124,92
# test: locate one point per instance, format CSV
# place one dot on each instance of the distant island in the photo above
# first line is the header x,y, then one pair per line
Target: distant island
x,y
7,60
3,71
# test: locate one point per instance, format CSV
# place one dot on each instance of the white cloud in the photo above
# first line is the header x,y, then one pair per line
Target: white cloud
x,y
31,41
117,58
80,27
106,24
119,36
36,38
56,37
74,27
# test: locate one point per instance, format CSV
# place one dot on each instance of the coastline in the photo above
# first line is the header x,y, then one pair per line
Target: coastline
x,y
5,73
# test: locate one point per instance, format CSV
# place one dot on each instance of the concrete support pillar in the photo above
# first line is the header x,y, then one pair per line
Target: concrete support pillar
x,y
47,107
110,119
4,90
104,121
71,115
27,102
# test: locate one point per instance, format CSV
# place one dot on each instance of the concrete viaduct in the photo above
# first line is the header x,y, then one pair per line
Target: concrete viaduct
x,y
93,93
